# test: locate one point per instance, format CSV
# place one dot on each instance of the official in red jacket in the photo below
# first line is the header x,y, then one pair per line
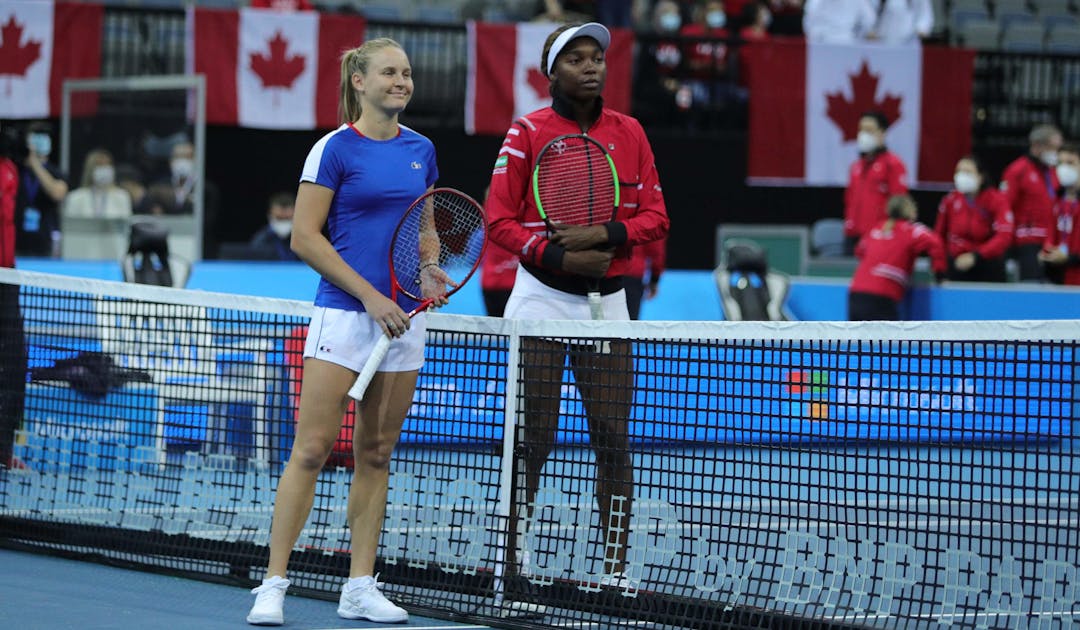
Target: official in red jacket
x,y
12,340
887,256
643,276
1030,184
1062,250
557,267
976,225
876,176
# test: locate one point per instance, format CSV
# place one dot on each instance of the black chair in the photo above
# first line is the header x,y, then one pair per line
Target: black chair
x,y
148,260
748,290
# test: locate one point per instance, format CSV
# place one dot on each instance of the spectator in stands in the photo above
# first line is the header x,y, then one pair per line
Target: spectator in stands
x,y
903,21
42,188
756,19
615,13
351,186
787,17
838,21
271,242
874,177
1030,184
887,256
175,195
13,359
564,11
98,196
975,223
282,5
1062,251
130,178
707,58
642,279
556,268
665,62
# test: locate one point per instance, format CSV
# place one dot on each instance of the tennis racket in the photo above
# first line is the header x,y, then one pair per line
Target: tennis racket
x,y
436,248
575,183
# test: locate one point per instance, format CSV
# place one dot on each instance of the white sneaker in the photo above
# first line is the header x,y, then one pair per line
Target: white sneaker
x,y
620,581
367,602
269,602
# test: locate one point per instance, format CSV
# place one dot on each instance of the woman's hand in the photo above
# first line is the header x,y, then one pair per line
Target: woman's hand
x,y
576,238
433,284
393,320
591,263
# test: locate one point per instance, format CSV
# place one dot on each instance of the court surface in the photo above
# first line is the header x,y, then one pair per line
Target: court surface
x,y
46,592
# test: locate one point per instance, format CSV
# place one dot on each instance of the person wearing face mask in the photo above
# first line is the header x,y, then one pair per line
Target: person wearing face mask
x,y
903,21
272,241
707,53
98,196
1061,252
756,19
887,255
874,177
976,225
42,188
1030,184
175,195
838,21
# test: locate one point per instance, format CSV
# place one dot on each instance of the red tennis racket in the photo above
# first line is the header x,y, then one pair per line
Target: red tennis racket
x,y
437,246
575,183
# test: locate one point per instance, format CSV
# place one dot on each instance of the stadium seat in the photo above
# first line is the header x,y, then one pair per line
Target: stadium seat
x,y
438,14
959,18
383,12
941,17
1064,40
1045,7
827,237
981,35
1054,21
1009,18
749,290
1010,6
1027,37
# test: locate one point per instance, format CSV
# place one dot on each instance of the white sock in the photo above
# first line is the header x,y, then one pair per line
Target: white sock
x,y
358,582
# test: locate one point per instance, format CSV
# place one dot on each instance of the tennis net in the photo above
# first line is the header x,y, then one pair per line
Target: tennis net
x,y
553,474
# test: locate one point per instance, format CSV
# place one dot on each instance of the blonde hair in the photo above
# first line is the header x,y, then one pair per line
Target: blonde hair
x,y
353,61
93,158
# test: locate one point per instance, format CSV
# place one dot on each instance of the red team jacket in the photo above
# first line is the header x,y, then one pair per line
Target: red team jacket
x,y
1030,188
515,223
983,225
650,255
499,268
1066,232
9,185
870,184
886,259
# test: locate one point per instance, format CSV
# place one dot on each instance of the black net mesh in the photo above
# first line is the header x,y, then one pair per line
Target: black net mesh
x,y
699,475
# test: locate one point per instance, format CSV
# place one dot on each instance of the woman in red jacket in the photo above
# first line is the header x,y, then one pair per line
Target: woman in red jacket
x,y
976,225
553,272
887,256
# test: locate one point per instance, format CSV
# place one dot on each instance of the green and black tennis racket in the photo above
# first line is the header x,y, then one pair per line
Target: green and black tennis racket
x,y
575,183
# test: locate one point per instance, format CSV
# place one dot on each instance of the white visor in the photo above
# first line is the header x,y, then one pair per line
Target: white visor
x,y
594,30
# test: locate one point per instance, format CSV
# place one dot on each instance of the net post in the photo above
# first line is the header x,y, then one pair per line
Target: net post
x,y
506,470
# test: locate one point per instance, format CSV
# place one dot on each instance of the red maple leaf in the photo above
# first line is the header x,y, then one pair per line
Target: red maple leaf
x,y
15,58
277,70
846,113
538,82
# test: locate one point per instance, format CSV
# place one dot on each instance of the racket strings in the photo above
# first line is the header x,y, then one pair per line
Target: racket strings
x,y
575,184
445,228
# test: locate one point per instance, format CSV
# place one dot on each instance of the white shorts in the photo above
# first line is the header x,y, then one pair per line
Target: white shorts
x,y
348,337
532,299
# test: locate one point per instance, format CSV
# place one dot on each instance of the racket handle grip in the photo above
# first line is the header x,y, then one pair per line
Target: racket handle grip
x,y
596,308
378,353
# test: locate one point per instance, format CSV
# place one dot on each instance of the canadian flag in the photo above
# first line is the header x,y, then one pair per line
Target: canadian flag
x,y
806,101
41,44
505,81
272,70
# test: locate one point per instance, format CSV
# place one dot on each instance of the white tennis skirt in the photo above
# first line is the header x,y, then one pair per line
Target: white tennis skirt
x,y
348,337
532,299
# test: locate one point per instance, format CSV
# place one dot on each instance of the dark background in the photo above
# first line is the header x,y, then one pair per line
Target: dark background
x,y
703,178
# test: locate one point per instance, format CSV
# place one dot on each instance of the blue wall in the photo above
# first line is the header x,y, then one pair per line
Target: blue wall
x,y
683,295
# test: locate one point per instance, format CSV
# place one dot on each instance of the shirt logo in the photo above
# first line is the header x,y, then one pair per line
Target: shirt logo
x,y
560,147
415,166
501,161
611,146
